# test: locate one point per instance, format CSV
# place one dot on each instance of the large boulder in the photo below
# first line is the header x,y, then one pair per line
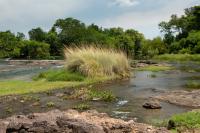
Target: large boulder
x,y
152,104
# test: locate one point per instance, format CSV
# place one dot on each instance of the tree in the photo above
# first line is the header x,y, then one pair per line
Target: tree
x,y
70,31
35,50
37,34
9,45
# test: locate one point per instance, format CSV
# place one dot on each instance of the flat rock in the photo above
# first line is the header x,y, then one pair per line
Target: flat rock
x,y
181,97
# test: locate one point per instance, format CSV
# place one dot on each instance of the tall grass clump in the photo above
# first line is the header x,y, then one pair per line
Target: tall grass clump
x,y
95,62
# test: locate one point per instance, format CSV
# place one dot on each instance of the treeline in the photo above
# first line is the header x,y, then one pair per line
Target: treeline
x,y
67,32
181,35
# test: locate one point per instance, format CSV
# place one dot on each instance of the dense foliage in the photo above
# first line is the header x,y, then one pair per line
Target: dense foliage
x,y
181,35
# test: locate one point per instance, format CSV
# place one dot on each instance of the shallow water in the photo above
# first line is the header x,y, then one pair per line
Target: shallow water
x,y
131,94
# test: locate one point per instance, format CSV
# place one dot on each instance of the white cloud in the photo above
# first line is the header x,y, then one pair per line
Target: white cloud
x,y
149,19
125,3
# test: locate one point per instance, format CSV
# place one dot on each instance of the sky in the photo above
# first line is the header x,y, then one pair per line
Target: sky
x,y
142,15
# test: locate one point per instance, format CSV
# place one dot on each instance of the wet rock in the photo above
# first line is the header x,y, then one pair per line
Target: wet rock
x,y
171,125
35,104
152,104
59,95
96,99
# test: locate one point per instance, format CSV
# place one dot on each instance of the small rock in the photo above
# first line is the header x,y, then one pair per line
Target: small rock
x,y
96,99
153,104
59,95
35,104
22,101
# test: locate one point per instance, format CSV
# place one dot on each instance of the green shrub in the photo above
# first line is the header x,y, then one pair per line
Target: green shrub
x,y
59,75
35,50
187,120
94,62
9,45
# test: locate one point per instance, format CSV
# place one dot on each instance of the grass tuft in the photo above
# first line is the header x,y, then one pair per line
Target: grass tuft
x,y
193,85
50,104
92,94
92,62
82,106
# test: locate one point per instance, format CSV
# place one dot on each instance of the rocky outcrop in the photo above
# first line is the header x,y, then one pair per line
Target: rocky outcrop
x,y
183,98
72,121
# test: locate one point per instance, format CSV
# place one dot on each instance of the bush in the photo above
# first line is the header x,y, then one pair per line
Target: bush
x,y
35,50
92,62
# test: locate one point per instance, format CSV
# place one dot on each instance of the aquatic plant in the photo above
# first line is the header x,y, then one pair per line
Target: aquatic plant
x,y
193,84
91,94
8,110
50,104
82,106
94,62
152,75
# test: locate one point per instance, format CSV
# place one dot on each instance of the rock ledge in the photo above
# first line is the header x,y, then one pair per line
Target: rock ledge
x,y
72,121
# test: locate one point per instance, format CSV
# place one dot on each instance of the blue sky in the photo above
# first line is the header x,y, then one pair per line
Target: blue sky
x,y
142,15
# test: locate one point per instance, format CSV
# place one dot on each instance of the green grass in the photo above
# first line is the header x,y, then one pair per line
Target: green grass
x,y
189,120
59,75
155,68
193,84
178,57
24,87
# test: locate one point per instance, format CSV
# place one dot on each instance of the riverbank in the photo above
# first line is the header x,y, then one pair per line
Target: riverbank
x,y
130,95
72,121
178,57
